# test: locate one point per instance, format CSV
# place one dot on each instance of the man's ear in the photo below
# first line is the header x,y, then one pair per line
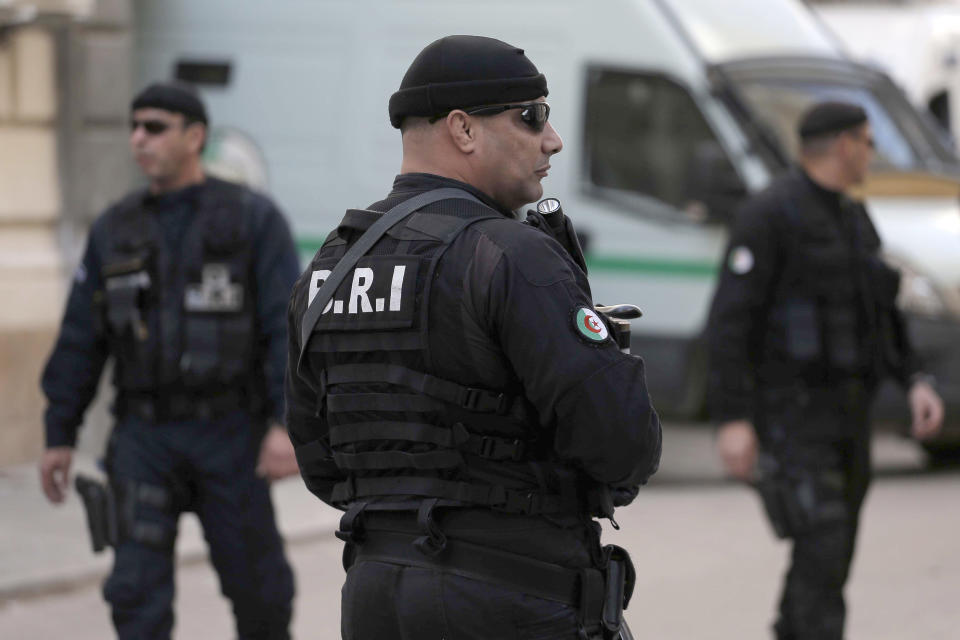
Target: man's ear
x,y
196,136
462,130
846,143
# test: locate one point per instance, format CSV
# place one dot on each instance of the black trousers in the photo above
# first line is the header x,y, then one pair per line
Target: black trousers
x,y
205,466
382,601
827,440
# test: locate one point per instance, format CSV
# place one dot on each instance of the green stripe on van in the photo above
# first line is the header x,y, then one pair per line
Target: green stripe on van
x,y
308,245
660,266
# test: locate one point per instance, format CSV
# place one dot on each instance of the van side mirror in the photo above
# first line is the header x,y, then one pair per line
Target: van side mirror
x,y
715,187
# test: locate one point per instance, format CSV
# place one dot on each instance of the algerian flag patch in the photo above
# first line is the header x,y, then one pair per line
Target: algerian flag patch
x,y
588,324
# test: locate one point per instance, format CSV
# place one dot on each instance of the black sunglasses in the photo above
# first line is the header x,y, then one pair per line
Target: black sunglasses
x,y
153,127
532,114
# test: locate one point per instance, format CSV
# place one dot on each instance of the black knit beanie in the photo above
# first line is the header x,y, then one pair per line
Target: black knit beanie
x,y
176,97
458,72
830,117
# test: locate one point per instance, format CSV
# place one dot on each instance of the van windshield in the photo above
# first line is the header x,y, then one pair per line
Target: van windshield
x,y
903,141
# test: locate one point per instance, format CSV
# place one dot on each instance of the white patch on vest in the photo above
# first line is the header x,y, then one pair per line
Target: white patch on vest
x,y
362,281
358,301
80,275
317,278
137,280
215,292
741,260
396,286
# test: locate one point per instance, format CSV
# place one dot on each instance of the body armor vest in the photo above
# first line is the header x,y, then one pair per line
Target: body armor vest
x,y
827,304
180,323
402,434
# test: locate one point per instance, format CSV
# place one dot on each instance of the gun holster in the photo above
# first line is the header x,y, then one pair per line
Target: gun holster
x,y
789,501
101,508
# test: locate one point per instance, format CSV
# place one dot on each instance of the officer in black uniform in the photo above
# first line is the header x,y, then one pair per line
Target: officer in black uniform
x,y
184,284
803,327
456,393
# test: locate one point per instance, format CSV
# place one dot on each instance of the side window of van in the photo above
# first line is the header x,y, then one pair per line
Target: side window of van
x,y
643,133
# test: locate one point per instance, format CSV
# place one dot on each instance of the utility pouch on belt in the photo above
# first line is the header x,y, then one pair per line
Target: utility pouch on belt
x,y
101,510
620,580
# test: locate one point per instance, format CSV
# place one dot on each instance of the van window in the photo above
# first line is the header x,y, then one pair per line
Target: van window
x,y
644,134
903,142
781,103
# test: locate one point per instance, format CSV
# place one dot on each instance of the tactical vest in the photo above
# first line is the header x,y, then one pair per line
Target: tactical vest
x,y
824,315
402,434
185,322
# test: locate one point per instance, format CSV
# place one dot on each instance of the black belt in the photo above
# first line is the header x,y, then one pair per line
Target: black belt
x,y
179,406
534,577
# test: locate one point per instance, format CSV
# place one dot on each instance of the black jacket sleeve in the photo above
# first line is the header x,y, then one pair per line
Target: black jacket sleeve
x,y
900,359
739,305
73,371
529,297
277,267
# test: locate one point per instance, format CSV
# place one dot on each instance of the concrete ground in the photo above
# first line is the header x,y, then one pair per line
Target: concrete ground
x,y
707,565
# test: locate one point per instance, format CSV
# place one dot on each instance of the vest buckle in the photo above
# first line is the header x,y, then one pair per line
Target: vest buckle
x,y
487,447
470,399
519,449
483,401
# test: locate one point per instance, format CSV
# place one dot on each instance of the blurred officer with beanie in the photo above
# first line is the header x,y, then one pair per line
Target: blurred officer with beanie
x,y
451,386
184,284
804,325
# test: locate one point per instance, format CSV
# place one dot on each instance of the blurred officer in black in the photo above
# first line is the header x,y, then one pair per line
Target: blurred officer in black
x,y
184,284
803,327
460,398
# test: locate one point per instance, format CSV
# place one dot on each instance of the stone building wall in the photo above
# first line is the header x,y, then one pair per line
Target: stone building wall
x,y
65,82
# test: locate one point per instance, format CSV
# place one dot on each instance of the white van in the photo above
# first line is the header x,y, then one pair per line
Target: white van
x,y
671,111
917,42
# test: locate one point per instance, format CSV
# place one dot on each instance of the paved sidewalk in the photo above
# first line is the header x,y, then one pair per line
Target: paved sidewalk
x,y
46,548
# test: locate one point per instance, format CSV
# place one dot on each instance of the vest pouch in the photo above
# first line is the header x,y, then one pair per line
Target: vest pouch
x,y
218,326
217,349
885,283
802,325
842,338
127,294
198,363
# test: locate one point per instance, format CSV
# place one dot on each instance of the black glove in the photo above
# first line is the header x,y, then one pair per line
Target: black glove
x,y
560,228
622,496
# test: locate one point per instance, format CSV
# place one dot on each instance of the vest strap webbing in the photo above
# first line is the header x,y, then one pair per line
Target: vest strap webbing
x,y
495,496
472,399
411,431
380,460
455,437
344,402
360,248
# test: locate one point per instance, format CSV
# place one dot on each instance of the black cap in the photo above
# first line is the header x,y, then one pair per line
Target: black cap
x,y
830,117
457,72
177,97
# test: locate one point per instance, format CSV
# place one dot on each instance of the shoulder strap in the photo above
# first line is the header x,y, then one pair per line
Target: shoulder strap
x,y
364,244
